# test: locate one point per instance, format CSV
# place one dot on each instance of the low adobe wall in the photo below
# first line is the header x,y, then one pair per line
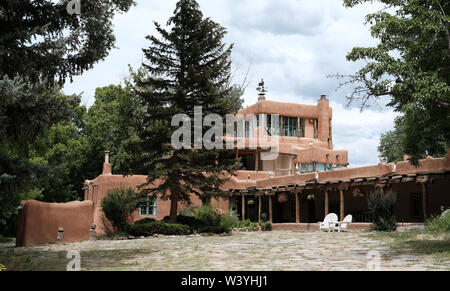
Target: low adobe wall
x,y
38,222
427,165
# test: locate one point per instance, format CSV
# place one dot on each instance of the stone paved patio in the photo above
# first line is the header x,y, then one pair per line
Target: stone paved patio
x,y
258,251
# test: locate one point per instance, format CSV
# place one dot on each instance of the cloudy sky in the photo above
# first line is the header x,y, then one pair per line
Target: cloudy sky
x,y
293,44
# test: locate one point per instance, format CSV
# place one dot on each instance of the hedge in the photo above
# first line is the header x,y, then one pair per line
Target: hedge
x,y
158,227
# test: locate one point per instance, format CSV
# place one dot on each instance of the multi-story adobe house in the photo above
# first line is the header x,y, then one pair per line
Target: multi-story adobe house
x,y
303,181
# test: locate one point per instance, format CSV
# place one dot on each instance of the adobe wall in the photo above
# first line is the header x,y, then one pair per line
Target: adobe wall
x,y
281,108
427,165
38,222
108,182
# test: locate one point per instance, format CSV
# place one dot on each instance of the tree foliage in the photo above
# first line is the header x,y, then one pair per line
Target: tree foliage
x,y
187,66
112,124
411,66
42,45
119,205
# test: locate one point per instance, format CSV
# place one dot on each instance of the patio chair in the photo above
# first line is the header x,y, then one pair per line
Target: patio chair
x,y
343,225
329,222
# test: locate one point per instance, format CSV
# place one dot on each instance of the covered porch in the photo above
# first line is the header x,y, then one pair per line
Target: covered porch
x,y
419,196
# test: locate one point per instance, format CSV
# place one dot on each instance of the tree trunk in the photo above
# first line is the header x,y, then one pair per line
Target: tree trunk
x,y
173,206
206,201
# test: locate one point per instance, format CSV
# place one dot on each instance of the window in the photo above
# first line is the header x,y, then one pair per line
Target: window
x,y
302,127
271,124
150,208
330,131
316,128
247,129
307,168
329,167
240,128
320,167
290,126
416,205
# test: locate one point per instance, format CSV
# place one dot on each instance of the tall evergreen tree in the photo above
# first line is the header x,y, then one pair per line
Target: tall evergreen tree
x,y
188,66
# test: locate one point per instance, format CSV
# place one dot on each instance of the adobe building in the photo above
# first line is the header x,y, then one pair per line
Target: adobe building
x,y
307,180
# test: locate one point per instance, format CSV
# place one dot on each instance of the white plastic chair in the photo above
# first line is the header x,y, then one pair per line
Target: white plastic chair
x,y
343,225
329,222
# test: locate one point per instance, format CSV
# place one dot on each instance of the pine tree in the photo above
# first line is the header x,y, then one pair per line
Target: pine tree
x,y
188,66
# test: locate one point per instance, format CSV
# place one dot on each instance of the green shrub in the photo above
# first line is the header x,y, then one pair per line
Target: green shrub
x,y
382,208
119,205
194,224
385,224
207,216
189,211
159,227
438,224
145,220
246,225
229,221
265,226
218,229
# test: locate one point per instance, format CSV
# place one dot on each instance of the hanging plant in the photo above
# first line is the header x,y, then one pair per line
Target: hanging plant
x,y
282,198
251,202
311,197
357,193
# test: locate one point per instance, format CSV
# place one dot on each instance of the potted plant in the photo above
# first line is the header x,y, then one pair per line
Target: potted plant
x,y
282,197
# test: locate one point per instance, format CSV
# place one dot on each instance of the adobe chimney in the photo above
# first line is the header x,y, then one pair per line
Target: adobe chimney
x,y
107,168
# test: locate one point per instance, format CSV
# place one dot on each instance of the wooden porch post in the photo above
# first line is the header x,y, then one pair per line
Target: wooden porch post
x,y
424,200
257,161
270,210
342,204
326,203
297,207
259,208
243,207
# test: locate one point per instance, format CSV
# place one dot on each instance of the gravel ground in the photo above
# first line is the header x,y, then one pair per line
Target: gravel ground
x,y
249,251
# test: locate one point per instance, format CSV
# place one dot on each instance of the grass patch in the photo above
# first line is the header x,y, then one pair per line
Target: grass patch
x,y
7,239
438,224
436,244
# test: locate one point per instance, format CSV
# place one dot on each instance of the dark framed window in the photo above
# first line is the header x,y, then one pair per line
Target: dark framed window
x,y
302,127
271,125
290,126
316,128
247,128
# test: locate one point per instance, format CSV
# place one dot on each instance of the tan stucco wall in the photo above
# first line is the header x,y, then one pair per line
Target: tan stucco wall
x,y
38,222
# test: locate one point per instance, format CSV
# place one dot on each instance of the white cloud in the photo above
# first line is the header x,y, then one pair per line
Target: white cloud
x,y
359,132
293,44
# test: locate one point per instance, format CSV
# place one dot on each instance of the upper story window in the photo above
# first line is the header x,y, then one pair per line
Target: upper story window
x,y
248,132
290,126
316,128
302,127
271,125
